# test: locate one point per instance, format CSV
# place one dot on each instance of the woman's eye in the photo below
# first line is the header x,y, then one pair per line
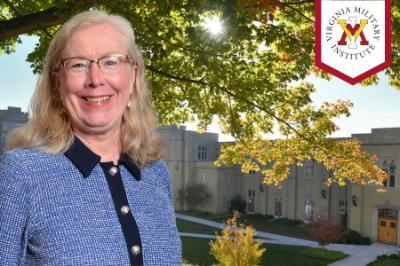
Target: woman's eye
x,y
110,62
78,65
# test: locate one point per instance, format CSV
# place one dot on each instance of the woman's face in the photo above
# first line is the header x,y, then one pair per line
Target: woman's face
x,y
96,100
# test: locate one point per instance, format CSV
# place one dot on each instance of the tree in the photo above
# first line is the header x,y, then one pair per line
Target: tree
x,y
193,195
236,246
324,232
251,77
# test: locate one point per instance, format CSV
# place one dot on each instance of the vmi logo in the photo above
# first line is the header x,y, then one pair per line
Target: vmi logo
x,y
353,38
352,33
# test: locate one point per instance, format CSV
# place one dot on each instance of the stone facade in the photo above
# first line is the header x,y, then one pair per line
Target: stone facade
x,y
9,119
376,214
303,196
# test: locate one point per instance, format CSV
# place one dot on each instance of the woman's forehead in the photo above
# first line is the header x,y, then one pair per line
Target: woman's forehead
x,y
95,40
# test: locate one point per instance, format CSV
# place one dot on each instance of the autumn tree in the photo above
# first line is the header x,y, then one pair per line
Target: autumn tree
x,y
324,232
237,246
251,76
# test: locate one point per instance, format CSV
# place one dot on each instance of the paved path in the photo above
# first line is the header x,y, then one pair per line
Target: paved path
x,y
359,255
270,238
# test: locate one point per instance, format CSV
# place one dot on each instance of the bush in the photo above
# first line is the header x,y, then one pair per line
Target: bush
x,y
324,254
324,232
236,246
194,195
354,237
238,204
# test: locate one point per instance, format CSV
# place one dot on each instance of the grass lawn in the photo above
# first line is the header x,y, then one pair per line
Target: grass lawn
x,y
261,223
189,227
386,260
196,252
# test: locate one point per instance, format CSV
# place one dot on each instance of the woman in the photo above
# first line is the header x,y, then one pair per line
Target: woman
x,y
84,183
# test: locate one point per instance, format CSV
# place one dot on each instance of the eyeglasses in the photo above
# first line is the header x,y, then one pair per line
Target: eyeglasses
x,y
108,64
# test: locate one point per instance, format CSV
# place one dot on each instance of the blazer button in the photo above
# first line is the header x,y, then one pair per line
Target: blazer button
x,y
135,250
113,171
124,210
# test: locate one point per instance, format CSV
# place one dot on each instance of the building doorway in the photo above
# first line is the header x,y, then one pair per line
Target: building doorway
x,y
387,226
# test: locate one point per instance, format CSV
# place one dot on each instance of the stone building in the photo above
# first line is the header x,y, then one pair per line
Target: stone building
x,y
303,196
376,214
9,119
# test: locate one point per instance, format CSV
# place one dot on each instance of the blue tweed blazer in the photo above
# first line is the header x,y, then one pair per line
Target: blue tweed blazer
x,y
50,214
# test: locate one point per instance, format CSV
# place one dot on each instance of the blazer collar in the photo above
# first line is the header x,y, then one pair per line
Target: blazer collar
x,y
85,160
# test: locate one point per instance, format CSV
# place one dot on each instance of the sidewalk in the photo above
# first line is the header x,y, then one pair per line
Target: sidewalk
x,y
269,238
359,255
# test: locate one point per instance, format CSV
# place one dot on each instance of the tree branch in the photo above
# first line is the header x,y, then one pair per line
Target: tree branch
x,y
30,23
229,92
12,7
40,20
298,11
298,2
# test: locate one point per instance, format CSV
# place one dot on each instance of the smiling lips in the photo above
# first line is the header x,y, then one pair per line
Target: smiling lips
x,y
97,100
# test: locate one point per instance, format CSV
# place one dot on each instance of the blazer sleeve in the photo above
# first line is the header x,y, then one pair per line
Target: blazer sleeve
x,y
166,179
14,211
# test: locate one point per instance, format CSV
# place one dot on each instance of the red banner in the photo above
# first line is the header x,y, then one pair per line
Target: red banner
x,y
352,38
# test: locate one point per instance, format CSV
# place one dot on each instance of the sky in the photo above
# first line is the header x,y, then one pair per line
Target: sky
x,y
374,106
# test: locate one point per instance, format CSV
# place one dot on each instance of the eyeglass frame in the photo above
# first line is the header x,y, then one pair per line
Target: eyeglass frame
x,y
126,58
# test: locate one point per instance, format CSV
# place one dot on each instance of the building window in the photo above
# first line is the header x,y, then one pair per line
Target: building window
x,y
278,207
392,173
202,152
252,172
251,200
309,168
308,210
387,214
389,166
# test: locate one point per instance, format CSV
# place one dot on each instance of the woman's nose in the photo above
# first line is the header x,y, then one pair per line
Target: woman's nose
x,y
94,77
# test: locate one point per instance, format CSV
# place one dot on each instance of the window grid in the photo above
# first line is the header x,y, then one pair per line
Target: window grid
x,y
202,152
278,208
389,166
387,214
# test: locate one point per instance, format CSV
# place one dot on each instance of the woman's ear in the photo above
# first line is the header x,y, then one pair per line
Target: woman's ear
x,y
55,79
134,74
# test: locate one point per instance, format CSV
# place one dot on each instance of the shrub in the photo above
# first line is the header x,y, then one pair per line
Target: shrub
x,y
324,232
238,204
194,195
354,237
236,246
324,254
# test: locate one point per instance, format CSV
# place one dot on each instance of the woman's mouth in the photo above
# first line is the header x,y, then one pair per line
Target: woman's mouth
x,y
97,100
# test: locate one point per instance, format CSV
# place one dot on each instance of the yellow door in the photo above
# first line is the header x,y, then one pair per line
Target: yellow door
x,y
387,231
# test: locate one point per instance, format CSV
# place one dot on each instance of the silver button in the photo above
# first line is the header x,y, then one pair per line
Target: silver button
x,y
124,209
135,250
113,171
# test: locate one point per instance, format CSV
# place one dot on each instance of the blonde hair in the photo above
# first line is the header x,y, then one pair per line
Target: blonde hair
x,y
49,127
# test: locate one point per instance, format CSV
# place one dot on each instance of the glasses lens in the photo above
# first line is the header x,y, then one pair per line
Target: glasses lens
x,y
76,64
110,63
